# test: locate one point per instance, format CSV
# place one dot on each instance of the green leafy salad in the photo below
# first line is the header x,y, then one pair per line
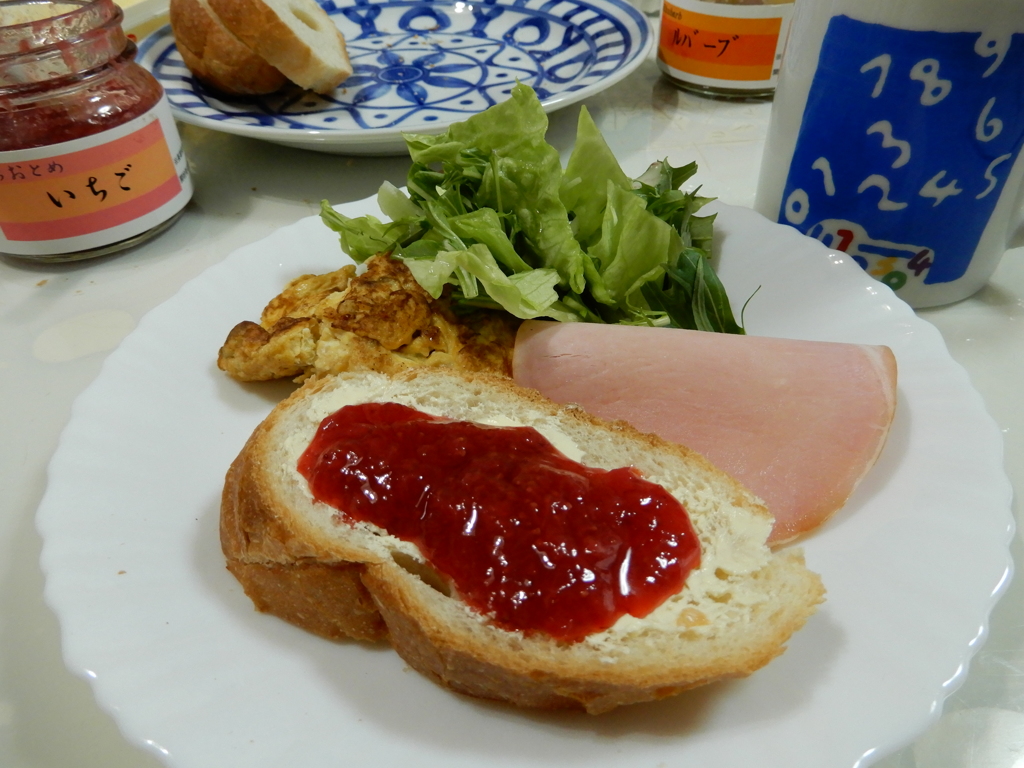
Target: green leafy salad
x,y
491,212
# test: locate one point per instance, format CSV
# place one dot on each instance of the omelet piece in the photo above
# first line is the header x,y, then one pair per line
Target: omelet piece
x,y
381,320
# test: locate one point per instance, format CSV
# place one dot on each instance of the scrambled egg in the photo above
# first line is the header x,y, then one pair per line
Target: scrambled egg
x,y
381,320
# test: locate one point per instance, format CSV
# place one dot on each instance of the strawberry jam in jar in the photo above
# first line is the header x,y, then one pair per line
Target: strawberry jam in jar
x,y
90,158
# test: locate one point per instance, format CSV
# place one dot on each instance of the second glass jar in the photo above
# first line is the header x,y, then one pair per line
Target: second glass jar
x,y
727,49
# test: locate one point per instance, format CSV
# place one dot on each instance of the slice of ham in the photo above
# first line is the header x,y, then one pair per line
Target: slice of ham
x,y
798,422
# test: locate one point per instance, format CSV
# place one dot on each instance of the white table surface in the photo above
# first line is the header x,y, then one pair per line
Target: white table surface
x,y
58,323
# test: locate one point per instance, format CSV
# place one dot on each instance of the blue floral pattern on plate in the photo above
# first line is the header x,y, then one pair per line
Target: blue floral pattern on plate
x,y
422,65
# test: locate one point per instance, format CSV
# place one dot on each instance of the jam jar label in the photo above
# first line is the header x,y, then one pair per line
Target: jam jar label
x,y
94,191
715,44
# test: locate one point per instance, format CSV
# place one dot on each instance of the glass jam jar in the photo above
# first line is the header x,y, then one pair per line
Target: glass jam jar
x,y
90,158
727,49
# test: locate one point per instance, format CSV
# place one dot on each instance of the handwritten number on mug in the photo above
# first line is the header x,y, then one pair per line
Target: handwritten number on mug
x,y
880,182
881,63
884,127
933,190
935,88
991,178
992,46
987,129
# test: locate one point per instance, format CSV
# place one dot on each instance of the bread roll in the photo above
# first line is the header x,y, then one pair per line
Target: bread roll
x,y
295,36
215,56
299,559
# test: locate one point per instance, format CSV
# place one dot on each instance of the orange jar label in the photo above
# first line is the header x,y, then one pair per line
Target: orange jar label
x,y
719,44
93,191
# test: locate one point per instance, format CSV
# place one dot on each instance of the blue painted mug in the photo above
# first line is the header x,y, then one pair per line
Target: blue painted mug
x,y
896,137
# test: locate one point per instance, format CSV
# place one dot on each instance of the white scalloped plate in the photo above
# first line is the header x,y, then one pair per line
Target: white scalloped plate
x,y
177,655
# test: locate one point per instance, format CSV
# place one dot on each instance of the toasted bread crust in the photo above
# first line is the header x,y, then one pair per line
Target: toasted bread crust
x,y
215,56
282,576
326,599
320,578
524,677
262,29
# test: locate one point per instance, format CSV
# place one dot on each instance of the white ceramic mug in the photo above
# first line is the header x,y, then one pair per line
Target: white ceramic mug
x,y
895,136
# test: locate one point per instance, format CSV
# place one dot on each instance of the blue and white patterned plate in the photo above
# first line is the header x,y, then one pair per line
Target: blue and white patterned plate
x,y
420,66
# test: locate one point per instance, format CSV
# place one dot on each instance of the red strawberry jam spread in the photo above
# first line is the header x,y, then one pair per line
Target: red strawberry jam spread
x,y
527,536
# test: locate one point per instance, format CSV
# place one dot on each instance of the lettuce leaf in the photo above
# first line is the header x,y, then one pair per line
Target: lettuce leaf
x,y
633,247
395,204
491,218
366,236
591,168
499,159
484,226
525,294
